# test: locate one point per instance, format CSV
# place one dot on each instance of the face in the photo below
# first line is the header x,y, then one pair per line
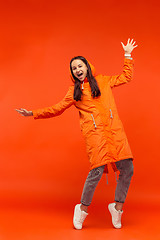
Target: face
x,y
79,69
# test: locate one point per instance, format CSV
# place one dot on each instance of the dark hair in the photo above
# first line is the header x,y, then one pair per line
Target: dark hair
x,y
92,81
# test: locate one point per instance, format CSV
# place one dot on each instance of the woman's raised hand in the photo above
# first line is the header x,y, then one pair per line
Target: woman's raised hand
x,y
24,112
130,46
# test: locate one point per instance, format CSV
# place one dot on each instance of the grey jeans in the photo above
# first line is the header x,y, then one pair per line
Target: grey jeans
x,y
125,168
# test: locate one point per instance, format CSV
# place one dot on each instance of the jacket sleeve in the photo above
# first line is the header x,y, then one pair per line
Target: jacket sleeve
x,y
126,75
56,109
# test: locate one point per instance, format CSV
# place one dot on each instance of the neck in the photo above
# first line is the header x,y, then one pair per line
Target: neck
x,y
85,80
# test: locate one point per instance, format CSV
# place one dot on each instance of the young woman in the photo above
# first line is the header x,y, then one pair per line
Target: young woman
x,y
105,138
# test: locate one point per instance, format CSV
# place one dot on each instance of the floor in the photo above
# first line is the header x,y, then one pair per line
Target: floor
x,y
139,222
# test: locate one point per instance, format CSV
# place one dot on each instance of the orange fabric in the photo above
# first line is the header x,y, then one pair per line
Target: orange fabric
x,y
105,138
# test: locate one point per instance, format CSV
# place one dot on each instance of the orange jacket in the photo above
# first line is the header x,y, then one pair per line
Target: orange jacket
x,y
104,135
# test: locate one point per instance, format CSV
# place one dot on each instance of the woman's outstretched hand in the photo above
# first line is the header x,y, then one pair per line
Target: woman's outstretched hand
x,y
24,112
130,46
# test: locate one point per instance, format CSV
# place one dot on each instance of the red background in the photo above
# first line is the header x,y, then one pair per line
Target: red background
x,y
43,162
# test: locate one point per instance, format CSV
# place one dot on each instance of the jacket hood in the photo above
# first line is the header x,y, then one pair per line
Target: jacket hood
x,y
92,69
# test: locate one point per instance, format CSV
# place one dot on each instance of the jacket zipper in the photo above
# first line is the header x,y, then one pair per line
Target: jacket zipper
x,y
94,121
111,116
82,85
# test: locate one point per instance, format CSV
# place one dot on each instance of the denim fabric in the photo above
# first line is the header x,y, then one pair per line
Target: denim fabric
x,y
125,168
126,171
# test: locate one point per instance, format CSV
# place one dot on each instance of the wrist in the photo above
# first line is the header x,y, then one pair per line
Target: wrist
x,y
129,58
127,54
30,113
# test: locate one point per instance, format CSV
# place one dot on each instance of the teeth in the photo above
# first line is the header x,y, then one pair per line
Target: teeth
x,y
80,74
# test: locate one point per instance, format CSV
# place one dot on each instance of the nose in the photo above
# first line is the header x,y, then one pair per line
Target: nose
x,y
78,71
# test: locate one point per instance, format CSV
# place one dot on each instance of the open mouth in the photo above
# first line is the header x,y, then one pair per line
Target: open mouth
x,y
80,74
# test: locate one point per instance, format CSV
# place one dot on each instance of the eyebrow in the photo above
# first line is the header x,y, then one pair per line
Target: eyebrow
x,y
78,65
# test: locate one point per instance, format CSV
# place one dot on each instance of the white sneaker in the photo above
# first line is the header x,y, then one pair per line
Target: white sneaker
x,y
79,217
116,215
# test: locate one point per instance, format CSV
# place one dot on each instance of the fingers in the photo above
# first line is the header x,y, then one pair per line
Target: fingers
x,y
122,44
134,43
128,48
135,46
22,111
19,110
22,114
131,41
